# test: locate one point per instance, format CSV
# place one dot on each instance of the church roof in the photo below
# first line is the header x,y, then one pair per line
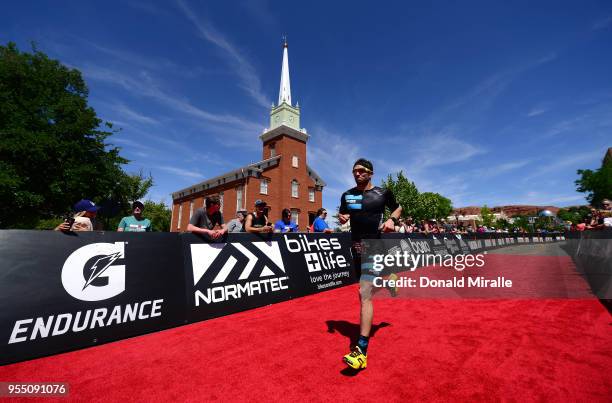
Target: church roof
x,y
253,169
283,129
315,176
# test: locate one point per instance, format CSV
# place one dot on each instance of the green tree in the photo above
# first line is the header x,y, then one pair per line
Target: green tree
x,y
487,216
432,205
405,192
502,223
546,223
597,184
118,203
52,148
574,214
159,214
521,222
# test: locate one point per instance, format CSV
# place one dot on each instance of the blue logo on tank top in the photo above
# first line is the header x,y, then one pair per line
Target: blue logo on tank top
x,y
353,202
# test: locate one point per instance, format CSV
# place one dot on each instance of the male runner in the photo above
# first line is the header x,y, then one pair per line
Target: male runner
x,y
365,205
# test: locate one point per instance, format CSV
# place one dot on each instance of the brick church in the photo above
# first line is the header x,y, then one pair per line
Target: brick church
x,y
282,178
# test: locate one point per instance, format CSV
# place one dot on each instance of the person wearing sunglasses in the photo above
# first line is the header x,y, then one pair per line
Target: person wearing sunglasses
x,y
319,224
364,205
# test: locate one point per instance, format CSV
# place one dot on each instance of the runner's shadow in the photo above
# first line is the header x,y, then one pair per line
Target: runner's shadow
x,y
351,331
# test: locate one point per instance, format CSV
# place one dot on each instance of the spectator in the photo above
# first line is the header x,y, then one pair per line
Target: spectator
x,y
237,223
85,212
408,227
136,222
209,220
583,225
424,227
257,222
433,226
448,227
285,224
606,205
319,224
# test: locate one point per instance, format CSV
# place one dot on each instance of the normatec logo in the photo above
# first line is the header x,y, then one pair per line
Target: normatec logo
x,y
242,273
81,272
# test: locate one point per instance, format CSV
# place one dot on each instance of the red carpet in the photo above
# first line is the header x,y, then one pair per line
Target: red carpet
x,y
456,349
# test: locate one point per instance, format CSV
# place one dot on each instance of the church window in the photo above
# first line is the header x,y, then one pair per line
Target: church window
x,y
263,187
294,188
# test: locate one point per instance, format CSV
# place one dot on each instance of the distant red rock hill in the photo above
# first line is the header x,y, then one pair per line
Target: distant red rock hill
x,y
510,211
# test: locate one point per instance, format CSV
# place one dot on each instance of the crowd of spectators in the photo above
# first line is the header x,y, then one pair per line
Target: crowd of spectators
x,y
597,219
209,221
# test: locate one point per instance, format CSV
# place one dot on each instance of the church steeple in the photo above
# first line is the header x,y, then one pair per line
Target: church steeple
x,y
285,114
284,94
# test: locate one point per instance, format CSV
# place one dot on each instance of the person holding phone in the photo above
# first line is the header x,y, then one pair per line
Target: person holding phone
x,y
257,222
86,211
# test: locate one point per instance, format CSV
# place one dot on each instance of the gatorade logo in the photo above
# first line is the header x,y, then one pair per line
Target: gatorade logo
x,y
90,272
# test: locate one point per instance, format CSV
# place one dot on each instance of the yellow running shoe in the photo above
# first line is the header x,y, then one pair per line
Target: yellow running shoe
x,y
356,359
392,290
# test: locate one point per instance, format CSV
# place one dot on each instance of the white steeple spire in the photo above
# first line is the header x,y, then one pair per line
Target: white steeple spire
x,y
284,94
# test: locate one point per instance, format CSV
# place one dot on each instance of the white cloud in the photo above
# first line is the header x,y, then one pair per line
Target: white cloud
x,y
495,170
242,67
181,172
149,63
144,85
542,199
131,114
331,155
602,24
536,111
560,163
441,150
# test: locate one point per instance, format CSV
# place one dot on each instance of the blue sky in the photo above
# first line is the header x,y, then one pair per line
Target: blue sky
x,y
483,102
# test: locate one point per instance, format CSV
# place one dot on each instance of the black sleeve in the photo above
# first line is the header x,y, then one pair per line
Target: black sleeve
x,y
343,207
219,218
196,218
390,201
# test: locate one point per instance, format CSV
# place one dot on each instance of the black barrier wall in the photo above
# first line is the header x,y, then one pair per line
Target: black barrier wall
x,y
592,254
62,292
